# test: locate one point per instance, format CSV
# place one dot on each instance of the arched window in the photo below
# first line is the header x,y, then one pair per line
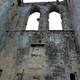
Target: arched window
x,y
33,22
55,22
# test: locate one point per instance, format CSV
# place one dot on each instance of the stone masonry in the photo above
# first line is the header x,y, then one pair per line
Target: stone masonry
x,y
44,54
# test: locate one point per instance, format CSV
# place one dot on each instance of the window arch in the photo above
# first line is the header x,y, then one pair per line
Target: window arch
x,y
55,22
33,18
33,22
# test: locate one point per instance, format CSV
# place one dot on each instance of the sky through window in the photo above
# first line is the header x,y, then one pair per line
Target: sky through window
x,y
27,1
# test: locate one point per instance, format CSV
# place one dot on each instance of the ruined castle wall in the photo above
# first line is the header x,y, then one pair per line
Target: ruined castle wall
x,y
7,9
37,55
75,13
25,10
40,55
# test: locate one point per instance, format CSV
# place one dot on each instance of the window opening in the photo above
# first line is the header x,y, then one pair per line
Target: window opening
x,y
0,72
19,76
55,22
37,50
72,76
28,1
33,22
19,2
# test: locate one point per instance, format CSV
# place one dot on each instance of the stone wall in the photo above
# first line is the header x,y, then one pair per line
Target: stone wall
x,y
7,9
42,54
75,11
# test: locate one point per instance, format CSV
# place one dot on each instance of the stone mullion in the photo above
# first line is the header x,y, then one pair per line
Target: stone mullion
x,y
43,22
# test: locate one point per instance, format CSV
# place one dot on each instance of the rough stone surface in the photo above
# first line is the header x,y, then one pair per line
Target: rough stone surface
x,y
39,55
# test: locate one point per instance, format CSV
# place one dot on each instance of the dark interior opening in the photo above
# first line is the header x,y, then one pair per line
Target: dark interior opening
x,y
72,76
19,2
0,72
19,76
